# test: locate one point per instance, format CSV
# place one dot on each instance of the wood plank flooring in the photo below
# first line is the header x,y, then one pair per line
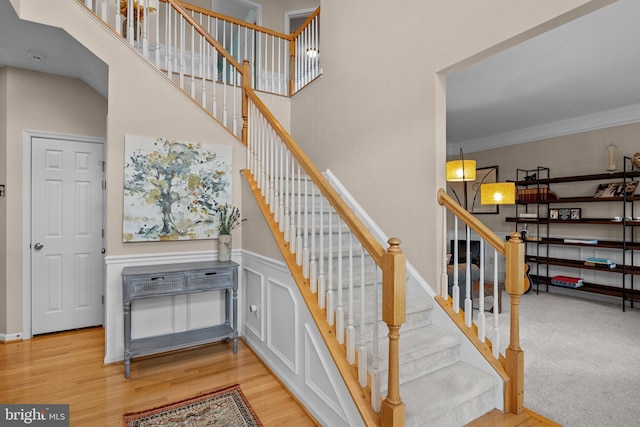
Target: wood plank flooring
x,y
67,368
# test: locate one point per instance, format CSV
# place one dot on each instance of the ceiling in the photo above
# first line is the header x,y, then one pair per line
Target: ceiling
x,y
580,76
583,75
59,53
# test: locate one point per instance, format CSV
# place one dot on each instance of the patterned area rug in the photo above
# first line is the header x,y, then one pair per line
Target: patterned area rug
x,y
227,407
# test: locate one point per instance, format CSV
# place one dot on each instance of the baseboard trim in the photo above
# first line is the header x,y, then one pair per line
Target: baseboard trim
x,y
9,338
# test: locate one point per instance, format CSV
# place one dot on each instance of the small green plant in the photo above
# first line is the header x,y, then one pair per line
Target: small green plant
x,y
228,217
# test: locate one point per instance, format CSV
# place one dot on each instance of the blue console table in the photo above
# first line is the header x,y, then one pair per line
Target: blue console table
x,y
179,279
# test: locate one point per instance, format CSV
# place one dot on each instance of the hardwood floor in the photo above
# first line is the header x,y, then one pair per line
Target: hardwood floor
x,y
526,419
68,368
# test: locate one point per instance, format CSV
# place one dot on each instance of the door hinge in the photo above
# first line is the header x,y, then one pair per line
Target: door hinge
x,y
103,164
102,299
104,185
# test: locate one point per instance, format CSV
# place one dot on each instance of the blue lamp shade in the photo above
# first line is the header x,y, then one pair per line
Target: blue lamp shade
x,y
461,170
498,193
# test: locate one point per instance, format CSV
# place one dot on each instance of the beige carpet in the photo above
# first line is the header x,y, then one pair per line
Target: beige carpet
x,y
582,359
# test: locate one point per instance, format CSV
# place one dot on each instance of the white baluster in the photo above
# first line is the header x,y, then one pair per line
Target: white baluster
x,y
305,234
481,315
496,326
375,356
299,221
292,226
203,62
224,77
330,307
362,348
313,266
455,289
182,50
468,304
265,169
193,62
272,180
321,276
351,345
282,183
284,225
339,305
444,278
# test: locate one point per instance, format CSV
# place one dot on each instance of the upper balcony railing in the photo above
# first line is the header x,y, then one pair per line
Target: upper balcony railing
x,y
280,63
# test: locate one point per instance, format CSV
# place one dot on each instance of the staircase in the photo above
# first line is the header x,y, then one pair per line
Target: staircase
x,y
437,387
399,367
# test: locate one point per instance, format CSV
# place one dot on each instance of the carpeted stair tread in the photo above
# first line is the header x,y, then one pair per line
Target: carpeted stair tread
x,y
422,351
452,396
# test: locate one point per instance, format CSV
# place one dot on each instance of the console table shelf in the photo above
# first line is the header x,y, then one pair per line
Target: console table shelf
x,y
153,281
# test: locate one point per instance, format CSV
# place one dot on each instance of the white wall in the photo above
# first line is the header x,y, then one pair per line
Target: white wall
x,y
380,103
36,102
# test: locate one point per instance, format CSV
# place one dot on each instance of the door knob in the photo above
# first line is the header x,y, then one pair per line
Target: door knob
x,y
38,246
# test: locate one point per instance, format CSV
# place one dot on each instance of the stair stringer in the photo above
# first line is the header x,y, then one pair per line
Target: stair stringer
x,y
469,353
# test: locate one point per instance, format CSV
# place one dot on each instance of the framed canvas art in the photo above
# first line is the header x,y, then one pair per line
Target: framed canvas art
x,y
172,187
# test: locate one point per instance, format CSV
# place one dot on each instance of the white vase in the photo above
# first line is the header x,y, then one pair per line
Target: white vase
x,y
224,247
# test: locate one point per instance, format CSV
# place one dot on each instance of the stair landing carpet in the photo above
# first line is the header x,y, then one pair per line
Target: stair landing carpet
x,y
227,407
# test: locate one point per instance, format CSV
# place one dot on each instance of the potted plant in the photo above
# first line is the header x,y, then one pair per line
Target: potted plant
x,y
228,219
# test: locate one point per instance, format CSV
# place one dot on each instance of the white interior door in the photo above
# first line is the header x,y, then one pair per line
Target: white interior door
x,y
66,235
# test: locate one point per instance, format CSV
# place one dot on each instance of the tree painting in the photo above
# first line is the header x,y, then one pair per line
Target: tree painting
x,y
171,188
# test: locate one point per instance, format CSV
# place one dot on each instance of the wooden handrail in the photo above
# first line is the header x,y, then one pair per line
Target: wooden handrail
x,y
474,224
305,23
219,48
374,248
213,14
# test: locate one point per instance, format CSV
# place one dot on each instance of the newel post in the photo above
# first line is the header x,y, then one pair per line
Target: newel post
x,y
292,64
394,314
246,84
515,285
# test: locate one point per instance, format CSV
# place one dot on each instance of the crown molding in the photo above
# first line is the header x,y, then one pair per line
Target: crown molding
x,y
601,120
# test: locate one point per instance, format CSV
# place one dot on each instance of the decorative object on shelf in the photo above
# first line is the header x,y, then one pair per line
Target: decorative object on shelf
x,y
553,214
635,160
228,218
564,214
615,189
576,213
612,157
138,8
535,195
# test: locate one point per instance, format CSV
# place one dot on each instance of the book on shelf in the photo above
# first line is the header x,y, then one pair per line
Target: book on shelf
x,y
599,260
584,241
566,281
599,264
528,215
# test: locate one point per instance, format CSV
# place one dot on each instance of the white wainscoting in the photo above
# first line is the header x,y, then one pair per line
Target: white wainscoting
x,y
283,333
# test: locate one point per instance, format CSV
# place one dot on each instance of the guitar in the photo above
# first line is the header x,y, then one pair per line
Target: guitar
x,y
527,278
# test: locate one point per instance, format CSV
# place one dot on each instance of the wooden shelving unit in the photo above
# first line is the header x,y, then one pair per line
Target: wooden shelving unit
x,y
538,248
